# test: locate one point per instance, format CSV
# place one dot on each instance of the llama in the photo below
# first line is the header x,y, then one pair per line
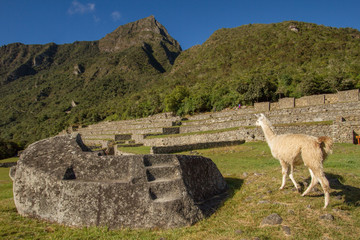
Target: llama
x,y
292,149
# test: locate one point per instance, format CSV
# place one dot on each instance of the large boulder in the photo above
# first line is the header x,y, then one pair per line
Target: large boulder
x,y
60,180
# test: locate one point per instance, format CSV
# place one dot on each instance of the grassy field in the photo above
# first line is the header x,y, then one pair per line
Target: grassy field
x,y
254,178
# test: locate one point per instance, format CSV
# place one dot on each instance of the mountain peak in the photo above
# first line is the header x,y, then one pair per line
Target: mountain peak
x,y
136,33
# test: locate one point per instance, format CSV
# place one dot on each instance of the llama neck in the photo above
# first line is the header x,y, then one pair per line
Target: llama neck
x,y
268,132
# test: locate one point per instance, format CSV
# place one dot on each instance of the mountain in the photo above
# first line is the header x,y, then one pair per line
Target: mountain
x,y
45,88
139,69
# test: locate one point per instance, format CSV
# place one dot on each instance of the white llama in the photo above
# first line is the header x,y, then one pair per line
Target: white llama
x,y
291,149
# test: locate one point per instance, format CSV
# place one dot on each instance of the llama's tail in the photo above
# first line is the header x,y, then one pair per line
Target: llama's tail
x,y
326,145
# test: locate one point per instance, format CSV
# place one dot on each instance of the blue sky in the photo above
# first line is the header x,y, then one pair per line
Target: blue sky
x,y
190,22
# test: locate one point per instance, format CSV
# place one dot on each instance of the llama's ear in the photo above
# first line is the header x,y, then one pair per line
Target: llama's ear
x,y
262,115
257,115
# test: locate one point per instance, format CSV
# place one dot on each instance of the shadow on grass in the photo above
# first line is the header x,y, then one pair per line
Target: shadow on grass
x,y
209,206
234,184
350,194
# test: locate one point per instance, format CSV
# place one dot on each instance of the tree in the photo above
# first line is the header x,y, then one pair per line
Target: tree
x,y
175,100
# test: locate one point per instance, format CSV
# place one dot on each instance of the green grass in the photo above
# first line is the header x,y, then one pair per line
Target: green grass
x,y
254,178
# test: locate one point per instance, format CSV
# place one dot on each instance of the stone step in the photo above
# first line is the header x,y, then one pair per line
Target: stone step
x,y
151,160
162,171
165,189
169,199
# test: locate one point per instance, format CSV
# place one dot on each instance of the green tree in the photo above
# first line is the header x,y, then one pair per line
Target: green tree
x,y
174,102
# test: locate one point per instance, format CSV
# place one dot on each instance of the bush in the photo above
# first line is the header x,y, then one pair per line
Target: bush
x,y
8,149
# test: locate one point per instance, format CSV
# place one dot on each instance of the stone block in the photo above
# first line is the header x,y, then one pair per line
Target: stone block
x,y
286,103
171,130
120,137
60,180
310,100
348,96
262,106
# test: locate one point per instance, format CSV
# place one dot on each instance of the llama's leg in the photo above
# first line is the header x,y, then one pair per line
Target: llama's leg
x,y
314,181
284,171
292,177
324,184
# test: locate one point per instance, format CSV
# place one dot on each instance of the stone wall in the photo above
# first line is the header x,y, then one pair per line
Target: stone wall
x,y
188,147
193,139
310,100
262,106
286,103
283,103
348,96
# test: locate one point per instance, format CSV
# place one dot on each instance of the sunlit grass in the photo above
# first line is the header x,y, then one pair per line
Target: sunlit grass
x,y
253,177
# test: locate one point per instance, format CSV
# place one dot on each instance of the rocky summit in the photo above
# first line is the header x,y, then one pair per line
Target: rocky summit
x,y
135,33
60,180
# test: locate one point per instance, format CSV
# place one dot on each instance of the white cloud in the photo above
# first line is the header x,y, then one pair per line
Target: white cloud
x,y
77,7
115,16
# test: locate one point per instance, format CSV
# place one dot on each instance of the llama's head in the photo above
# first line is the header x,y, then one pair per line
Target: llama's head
x,y
261,119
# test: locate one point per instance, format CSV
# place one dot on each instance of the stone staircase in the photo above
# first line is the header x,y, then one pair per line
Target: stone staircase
x,y
166,188
164,180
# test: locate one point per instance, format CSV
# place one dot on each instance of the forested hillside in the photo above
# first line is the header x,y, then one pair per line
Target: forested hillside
x,y
263,62
139,70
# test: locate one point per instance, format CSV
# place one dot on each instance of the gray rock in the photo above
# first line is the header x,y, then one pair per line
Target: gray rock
x,y
60,180
286,230
327,217
291,212
272,219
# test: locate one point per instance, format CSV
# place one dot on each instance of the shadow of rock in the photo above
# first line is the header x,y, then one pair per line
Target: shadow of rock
x,y
209,206
234,184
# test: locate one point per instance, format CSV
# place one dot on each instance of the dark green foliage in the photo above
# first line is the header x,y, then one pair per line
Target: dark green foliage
x,y
247,64
8,149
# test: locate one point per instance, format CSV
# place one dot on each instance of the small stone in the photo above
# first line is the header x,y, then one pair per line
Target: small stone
x,y
238,231
272,219
327,217
291,212
286,230
245,174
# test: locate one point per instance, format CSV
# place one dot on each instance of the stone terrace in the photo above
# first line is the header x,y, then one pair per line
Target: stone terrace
x,y
334,115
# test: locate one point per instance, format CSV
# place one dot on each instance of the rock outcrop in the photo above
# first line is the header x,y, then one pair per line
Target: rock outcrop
x,y
60,180
136,33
